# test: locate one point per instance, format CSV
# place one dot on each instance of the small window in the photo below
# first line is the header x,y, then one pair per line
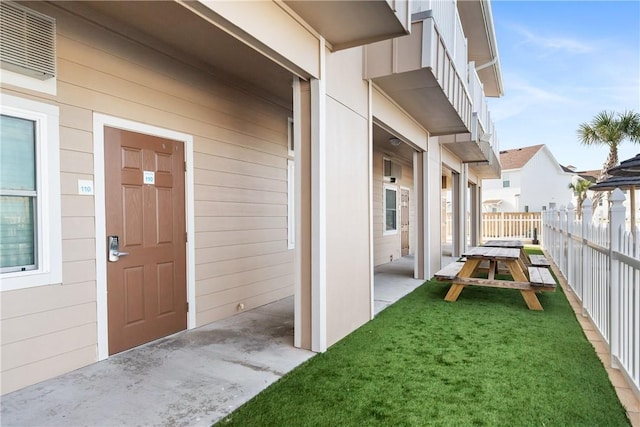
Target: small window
x,y
30,227
526,208
506,181
390,209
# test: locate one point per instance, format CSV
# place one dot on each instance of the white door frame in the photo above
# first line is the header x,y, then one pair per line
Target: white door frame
x,y
99,122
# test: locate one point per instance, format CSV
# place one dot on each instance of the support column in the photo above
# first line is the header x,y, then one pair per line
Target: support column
x,y
303,264
421,258
319,208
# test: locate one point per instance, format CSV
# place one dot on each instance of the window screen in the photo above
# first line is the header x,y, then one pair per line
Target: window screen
x,y
18,194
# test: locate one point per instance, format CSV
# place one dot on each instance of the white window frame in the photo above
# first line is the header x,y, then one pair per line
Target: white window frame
x,y
506,181
386,187
291,206
48,218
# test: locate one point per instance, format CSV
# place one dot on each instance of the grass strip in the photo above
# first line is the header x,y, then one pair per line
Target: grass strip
x,y
485,360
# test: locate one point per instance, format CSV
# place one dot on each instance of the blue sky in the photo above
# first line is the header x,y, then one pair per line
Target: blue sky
x,y
562,63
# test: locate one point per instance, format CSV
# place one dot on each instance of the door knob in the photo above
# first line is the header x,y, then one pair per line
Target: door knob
x,y
114,249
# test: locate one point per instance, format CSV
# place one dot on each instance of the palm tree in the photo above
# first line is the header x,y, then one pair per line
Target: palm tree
x,y
610,129
579,188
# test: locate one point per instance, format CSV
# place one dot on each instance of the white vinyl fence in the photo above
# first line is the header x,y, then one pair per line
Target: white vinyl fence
x,y
601,263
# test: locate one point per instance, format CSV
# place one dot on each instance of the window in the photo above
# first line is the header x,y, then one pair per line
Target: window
x,y
30,247
506,181
390,210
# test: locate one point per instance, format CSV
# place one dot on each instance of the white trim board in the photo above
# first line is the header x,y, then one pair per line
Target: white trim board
x,y
99,122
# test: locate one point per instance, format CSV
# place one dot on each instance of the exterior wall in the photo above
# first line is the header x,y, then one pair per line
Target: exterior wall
x,y
543,183
387,247
240,169
493,189
348,273
539,183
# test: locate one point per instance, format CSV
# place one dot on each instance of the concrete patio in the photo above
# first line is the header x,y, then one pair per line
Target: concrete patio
x,y
192,378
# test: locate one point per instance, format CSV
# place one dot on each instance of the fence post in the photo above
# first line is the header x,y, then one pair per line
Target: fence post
x,y
563,234
587,279
617,214
571,216
501,225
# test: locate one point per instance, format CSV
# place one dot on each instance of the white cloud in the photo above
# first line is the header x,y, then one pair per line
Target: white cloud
x,y
565,44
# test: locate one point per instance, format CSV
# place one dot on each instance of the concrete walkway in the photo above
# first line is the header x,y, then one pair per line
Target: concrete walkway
x,y
193,378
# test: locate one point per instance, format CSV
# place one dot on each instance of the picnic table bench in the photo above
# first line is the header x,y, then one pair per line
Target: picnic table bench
x,y
461,274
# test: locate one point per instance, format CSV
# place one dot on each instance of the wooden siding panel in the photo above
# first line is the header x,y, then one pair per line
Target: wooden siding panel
x,y
226,194
217,313
75,139
203,208
221,283
223,179
228,238
224,268
31,373
203,224
225,253
78,271
242,161
75,161
69,182
78,250
76,205
39,348
78,227
47,322
23,302
233,295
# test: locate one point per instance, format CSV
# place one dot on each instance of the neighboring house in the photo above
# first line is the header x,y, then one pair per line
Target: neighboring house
x,y
167,164
532,181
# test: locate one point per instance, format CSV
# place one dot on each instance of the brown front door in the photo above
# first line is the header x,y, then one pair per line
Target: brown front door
x,y
404,222
145,198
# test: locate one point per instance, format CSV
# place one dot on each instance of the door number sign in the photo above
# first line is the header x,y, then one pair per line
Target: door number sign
x,y
149,177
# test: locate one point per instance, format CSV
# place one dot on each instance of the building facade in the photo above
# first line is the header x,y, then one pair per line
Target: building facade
x,y
532,181
177,162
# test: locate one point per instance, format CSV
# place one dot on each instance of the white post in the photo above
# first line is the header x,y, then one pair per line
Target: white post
x,y
571,217
563,230
587,279
617,214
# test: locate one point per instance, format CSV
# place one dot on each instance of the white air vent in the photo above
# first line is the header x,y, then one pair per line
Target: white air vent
x,y
28,41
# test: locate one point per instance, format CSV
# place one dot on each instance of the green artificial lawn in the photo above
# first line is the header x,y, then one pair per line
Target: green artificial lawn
x,y
482,360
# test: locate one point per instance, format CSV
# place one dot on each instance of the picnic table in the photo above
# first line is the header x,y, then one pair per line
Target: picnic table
x,y
513,244
527,279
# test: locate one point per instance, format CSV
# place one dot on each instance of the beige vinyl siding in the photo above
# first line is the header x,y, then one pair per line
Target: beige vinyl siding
x,y
240,160
386,246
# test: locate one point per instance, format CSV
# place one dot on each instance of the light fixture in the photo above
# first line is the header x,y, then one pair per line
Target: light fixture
x,y
394,141
486,137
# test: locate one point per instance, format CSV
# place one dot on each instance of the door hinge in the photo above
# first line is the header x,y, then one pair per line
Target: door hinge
x,y
186,237
187,307
185,166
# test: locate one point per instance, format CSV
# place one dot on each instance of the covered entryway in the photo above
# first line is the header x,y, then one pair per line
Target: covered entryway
x,y
146,230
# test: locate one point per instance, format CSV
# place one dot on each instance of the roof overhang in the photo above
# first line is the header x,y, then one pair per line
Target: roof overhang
x,y
477,21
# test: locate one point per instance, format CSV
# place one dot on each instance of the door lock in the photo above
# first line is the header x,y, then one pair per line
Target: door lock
x,y
114,249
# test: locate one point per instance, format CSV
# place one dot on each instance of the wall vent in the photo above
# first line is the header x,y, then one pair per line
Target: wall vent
x,y
28,41
391,170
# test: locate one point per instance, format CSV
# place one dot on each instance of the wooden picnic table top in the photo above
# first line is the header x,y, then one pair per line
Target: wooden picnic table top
x,y
487,252
504,244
